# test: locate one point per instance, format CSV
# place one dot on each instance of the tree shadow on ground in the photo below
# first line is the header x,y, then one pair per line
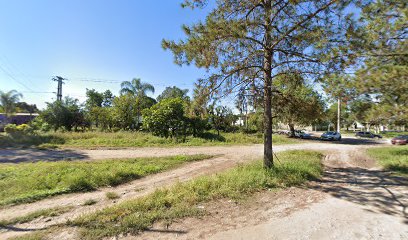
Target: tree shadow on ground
x,y
349,141
212,137
376,190
36,155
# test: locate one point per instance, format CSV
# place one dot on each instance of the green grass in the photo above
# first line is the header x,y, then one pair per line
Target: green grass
x,y
38,235
133,139
50,212
392,134
28,182
393,158
89,202
112,195
182,200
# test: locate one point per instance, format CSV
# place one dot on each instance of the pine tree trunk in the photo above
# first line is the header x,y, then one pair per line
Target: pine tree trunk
x,y
268,154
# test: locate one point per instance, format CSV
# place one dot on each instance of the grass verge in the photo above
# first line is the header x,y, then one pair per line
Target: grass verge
x,y
50,212
182,200
28,182
393,158
132,139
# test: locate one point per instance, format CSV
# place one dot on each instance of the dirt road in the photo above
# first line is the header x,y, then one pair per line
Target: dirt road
x,y
354,197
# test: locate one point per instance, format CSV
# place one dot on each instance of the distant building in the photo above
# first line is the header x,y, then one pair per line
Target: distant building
x,y
17,118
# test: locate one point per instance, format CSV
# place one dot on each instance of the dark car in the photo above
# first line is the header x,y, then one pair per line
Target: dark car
x,y
400,140
367,135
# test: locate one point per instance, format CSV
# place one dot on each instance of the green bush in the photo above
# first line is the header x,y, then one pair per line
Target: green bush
x,y
17,131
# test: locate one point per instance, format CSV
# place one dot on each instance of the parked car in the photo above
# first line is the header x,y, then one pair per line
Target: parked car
x,y
302,134
332,136
367,135
400,140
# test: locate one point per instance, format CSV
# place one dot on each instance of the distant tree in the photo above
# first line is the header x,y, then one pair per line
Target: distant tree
x,y
65,114
174,92
297,103
166,118
107,99
199,104
93,99
222,118
26,108
8,101
138,90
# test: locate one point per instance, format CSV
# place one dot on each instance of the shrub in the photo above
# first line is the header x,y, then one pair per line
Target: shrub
x,y
17,131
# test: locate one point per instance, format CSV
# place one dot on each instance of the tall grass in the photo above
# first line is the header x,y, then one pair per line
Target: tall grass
x,y
28,182
393,158
182,200
133,139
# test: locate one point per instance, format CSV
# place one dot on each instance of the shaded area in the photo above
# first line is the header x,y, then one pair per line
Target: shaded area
x,y
17,229
166,231
36,155
376,190
348,141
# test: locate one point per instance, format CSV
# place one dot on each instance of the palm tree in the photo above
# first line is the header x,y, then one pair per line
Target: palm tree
x,y
8,101
138,89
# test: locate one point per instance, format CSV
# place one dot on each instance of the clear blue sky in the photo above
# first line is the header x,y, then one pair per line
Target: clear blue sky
x,y
108,40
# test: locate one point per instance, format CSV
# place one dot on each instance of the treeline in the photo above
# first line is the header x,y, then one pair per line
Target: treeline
x,y
173,114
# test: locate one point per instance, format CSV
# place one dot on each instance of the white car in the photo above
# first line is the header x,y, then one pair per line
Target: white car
x,y
332,136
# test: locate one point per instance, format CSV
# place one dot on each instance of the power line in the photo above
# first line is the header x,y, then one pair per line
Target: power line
x,y
12,77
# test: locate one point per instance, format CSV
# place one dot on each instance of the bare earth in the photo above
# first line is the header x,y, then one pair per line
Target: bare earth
x,y
354,200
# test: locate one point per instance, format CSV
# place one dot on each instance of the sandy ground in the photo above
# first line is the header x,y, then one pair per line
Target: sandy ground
x,y
355,200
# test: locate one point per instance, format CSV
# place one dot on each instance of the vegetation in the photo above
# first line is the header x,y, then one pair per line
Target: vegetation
x,y
182,199
131,139
9,100
393,158
26,182
89,202
243,43
112,195
50,212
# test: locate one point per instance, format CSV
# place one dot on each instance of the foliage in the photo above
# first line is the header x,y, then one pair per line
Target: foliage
x,y
393,158
182,199
222,118
26,108
127,110
66,114
381,43
26,182
136,87
252,42
296,103
166,118
174,92
18,131
9,100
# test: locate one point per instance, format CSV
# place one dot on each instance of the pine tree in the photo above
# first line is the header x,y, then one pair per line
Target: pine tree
x,y
247,41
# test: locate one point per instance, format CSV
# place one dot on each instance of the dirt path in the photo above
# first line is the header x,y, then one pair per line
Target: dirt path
x,y
354,200
227,158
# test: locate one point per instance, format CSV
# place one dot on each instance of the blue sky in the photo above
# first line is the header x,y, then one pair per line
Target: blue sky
x,y
88,41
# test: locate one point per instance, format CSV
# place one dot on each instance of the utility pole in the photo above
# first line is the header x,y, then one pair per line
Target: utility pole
x,y
60,81
338,114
